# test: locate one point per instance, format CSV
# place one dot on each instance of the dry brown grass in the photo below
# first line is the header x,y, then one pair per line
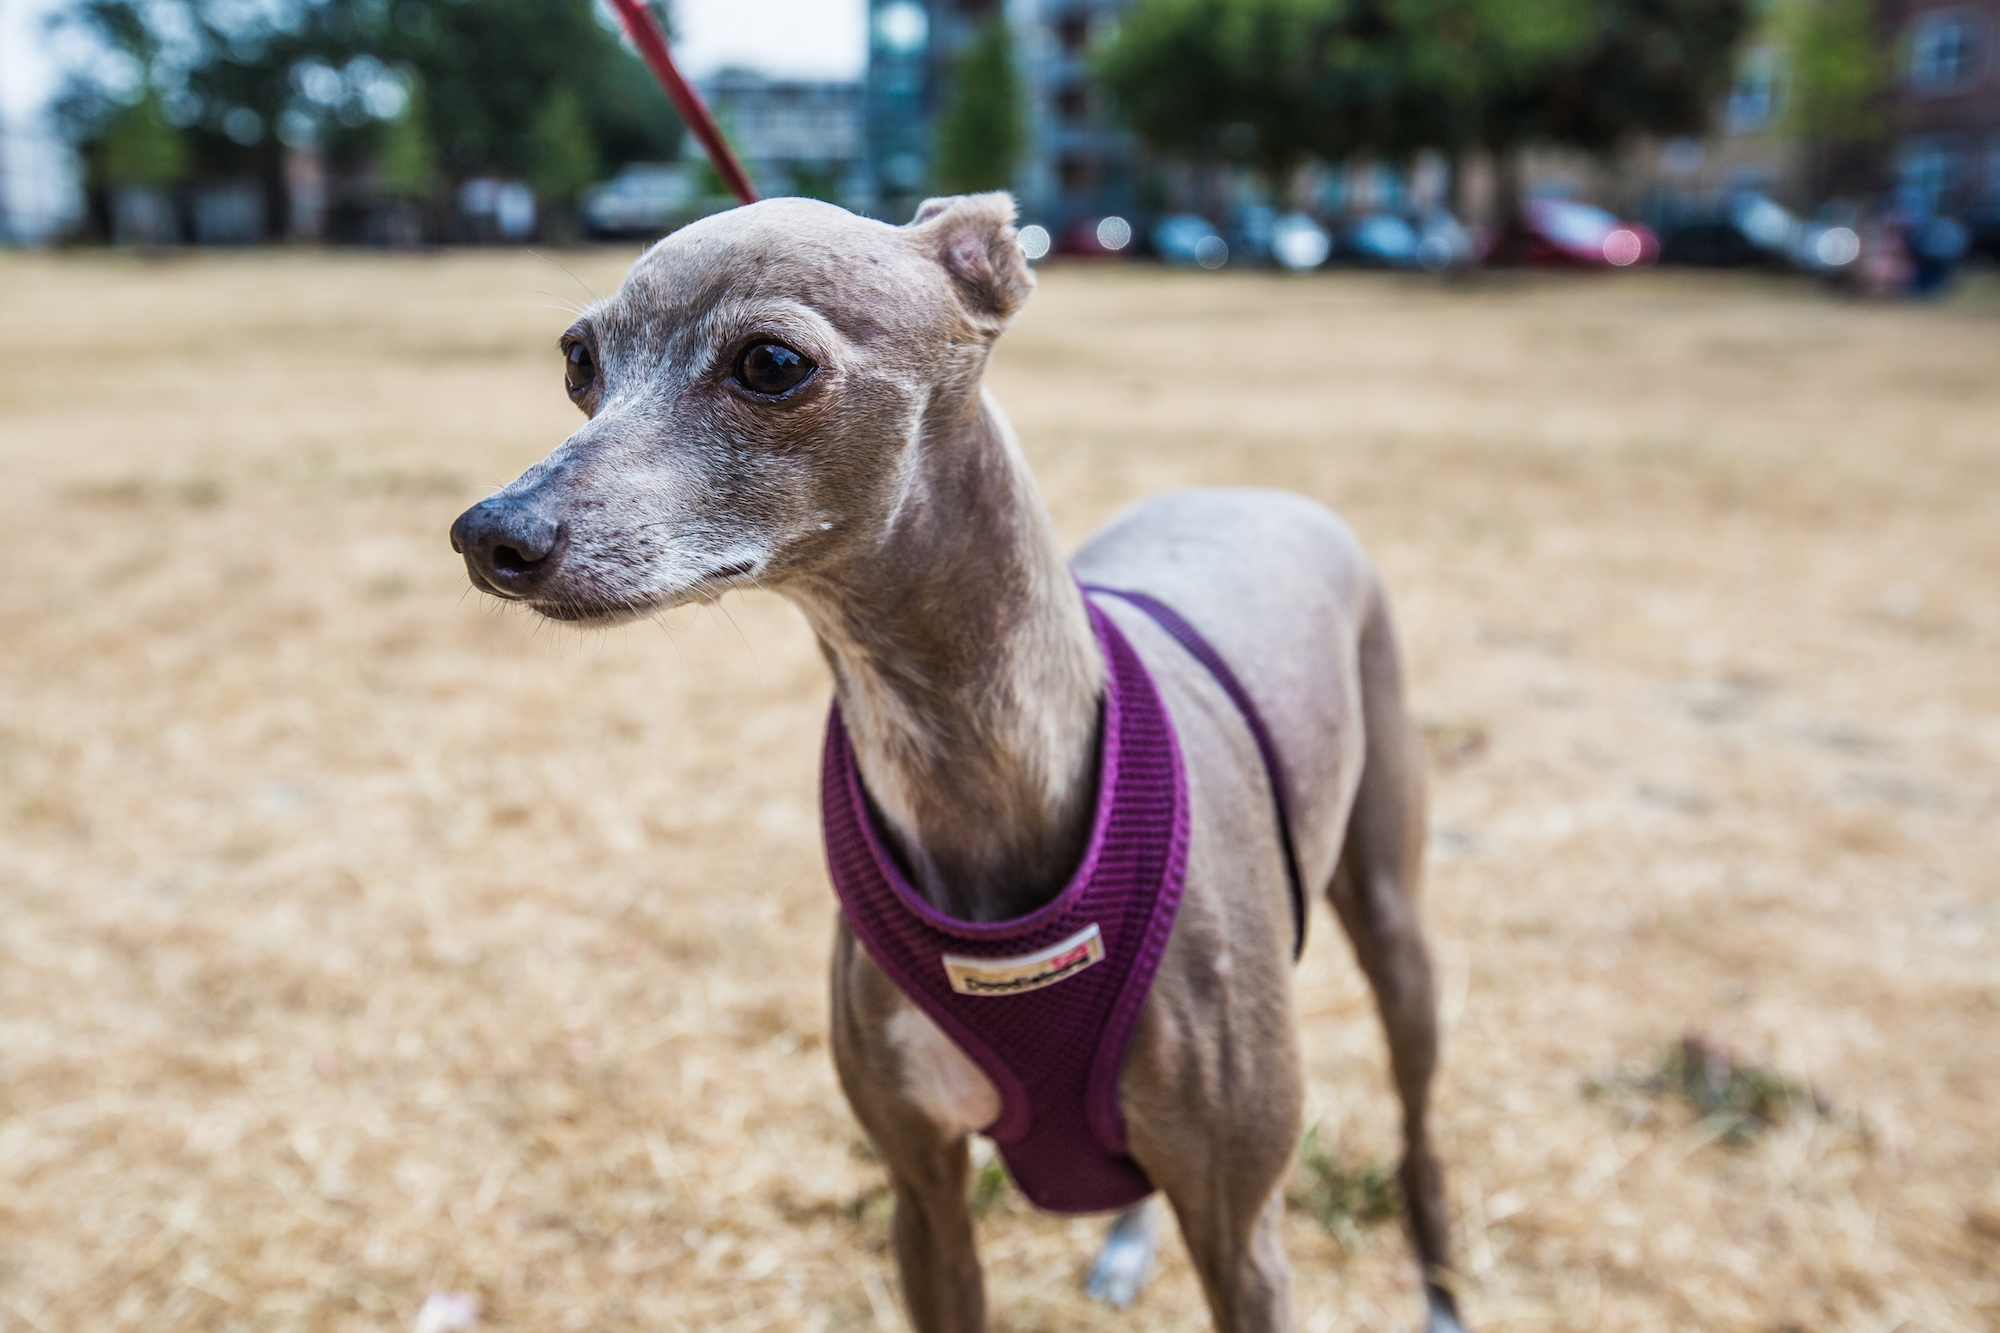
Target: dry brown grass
x,y
362,941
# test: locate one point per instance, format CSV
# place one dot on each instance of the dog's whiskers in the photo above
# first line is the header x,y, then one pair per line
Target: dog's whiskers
x,y
565,268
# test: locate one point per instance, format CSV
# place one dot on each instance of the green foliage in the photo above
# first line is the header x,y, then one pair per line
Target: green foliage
x,y
497,72
532,88
981,133
1653,67
141,148
406,166
989,1183
1839,67
1343,1197
1274,82
1226,80
809,182
1740,1100
562,156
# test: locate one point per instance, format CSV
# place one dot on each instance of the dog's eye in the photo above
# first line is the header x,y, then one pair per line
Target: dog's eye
x,y
771,368
579,367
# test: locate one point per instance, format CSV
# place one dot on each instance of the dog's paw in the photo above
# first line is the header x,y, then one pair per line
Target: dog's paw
x,y
1442,1318
1126,1260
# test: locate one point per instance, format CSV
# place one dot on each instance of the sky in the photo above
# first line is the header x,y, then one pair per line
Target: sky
x,y
798,38
822,39
26,76
826,39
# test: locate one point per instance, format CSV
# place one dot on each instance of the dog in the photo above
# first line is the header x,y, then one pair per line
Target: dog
x,y
790,397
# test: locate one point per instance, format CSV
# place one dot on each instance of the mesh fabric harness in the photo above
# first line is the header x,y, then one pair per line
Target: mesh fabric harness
x,y
1046,1003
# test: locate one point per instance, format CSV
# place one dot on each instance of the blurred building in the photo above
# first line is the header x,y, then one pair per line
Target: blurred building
x,y
1940,114
795,137
40,194
1944,110
1748,148
911,44
1077,162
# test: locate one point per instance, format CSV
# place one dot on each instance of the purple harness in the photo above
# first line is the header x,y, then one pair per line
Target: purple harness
x,y
1045,1004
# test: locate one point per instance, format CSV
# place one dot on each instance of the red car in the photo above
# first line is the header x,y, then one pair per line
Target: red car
x,y
1095,237
1563,231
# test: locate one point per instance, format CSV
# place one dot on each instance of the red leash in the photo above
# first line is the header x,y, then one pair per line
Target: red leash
x,y
645,32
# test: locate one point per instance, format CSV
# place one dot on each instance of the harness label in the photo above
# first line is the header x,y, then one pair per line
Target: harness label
x,y
1011,976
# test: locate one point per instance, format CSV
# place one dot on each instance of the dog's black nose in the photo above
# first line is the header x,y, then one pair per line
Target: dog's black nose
x,y
509,546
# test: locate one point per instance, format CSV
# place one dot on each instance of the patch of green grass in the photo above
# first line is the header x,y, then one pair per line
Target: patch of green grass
x,y
1344,1195
1739,1100
989,1183
874,1205
1742,1100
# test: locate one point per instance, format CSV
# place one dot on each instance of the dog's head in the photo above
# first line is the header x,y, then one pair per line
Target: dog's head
x,y
756,391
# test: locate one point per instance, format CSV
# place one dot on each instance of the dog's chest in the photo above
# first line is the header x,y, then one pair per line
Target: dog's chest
x,y
940,1078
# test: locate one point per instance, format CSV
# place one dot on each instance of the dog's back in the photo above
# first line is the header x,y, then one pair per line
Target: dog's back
x,y
1283,586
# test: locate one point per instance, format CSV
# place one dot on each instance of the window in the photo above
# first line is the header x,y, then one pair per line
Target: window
x,y
1072,104
1077,175
1758,93
1944,51
1933,167
1073,33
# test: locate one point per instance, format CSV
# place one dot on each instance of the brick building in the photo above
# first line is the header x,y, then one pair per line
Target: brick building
x,y
1944,107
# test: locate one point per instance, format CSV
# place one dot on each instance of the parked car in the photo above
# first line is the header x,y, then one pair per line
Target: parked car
x,y
1829,242
1298,243
1095,237
1937,244
1443,241
1381,240
1188,240
1434,240
1748,229
1249,228
1986,236
641,201
1259,234
1563,231
1709,243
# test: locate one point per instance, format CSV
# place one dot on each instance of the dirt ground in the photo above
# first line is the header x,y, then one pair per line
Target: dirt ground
x,y
363,941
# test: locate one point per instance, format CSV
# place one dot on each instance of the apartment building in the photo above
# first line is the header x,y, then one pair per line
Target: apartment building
x,y
1077,162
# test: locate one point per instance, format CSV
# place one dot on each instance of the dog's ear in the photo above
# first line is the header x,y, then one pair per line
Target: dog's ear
x,y
973,237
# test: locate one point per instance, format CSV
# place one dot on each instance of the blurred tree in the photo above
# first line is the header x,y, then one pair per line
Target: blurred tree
x,y
1632,67
981,133
561,160
406,174
250,81
494,68
1635,67
806,180
1444,74
1228,80
1273,82
141,148
1839,67
406,167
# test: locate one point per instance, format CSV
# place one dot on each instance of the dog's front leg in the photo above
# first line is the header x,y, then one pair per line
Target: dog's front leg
x,y
932,1231
918,1098
1213,1094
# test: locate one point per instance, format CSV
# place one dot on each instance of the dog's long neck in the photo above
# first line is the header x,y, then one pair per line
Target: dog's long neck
x,y
968,675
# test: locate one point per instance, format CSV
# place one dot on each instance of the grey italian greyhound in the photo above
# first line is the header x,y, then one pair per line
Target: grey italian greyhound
x,y
789,396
